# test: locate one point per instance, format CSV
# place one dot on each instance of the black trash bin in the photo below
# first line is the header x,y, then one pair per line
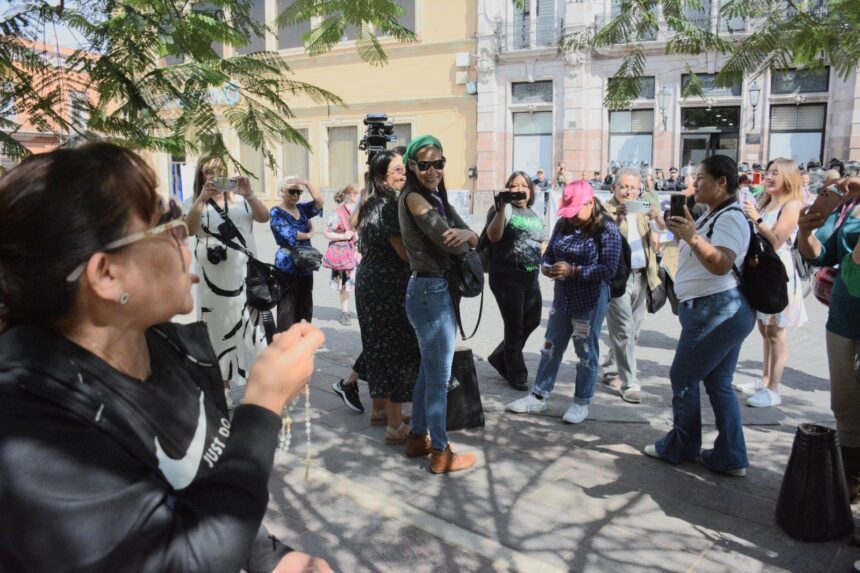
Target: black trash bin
x,y
813,500
464,396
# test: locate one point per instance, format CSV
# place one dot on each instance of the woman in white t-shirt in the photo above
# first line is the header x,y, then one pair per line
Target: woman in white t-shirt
x,y
715,320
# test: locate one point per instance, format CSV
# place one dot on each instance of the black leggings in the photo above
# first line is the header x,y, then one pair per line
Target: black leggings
x,y
297,302
519,299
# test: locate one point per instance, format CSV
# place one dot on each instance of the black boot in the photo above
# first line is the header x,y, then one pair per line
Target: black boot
x,y
851,463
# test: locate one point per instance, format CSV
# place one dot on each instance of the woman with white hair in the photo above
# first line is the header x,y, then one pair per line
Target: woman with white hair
x,y
291,225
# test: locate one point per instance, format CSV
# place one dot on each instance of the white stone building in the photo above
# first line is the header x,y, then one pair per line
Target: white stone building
x,y
537,107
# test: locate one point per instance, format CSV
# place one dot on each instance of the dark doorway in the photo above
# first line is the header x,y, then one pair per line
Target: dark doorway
x,y
709,131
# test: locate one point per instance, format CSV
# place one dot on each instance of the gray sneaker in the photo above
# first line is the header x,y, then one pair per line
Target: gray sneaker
x,y
344,319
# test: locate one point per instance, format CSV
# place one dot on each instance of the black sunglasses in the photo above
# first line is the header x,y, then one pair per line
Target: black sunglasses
x,y
438,165
296,192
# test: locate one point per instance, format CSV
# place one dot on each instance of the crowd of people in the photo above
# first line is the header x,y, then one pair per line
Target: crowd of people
x,y
180,423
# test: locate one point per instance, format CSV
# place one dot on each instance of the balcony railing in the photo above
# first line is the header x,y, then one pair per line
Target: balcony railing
x,y
600,22
700,17
528,34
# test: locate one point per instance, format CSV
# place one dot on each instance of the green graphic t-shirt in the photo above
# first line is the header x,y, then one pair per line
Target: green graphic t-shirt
x,y
519,247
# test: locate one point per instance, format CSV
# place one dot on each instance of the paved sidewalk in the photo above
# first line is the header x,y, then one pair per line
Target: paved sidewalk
x,y
547,496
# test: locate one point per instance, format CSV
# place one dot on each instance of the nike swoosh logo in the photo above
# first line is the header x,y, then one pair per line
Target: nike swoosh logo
x,y
180,473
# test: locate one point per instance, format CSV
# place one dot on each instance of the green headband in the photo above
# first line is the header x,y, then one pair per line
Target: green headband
x,y
418,143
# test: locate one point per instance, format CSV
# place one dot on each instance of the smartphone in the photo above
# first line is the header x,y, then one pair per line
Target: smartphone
x,y
756,178
676,205
511,196
226,184
828,199
638,207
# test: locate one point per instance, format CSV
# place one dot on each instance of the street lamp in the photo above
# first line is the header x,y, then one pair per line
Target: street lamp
x,y
663,101
755,91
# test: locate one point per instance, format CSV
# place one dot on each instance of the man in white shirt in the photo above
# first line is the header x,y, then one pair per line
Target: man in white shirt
x,y
625,315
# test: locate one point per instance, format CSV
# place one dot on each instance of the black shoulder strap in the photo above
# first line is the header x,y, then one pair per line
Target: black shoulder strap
x,y
225,214
456,300
713,218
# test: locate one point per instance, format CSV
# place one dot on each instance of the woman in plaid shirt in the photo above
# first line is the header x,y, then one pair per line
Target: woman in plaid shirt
x,y
582,257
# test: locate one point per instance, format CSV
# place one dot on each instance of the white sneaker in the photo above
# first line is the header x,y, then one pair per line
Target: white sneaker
x,y
575,414
529,404
764,398
749,388
651,450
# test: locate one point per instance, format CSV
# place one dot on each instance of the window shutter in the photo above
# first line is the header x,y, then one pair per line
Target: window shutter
x,y
642,121
252,160
810,116
783,118
342,156
296,158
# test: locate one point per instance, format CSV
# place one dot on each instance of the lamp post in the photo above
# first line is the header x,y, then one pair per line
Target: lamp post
x,y
663,101
755,91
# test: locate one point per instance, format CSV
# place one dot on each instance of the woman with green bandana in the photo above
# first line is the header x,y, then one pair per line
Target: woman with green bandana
x,y
432,231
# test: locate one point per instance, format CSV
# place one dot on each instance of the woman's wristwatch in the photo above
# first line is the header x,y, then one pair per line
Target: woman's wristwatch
x,y
759,221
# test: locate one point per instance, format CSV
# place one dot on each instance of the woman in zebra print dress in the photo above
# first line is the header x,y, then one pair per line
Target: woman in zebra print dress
x,y
235,329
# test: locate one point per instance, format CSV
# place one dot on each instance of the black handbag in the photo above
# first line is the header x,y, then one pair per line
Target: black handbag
x,y
468,273
674,303
656,298
262,288
305,258
464,409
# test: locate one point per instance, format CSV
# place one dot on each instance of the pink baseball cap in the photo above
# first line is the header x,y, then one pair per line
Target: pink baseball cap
x,y
575,195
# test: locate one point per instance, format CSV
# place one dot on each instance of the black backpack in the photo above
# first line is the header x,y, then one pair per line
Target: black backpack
x,y
618,282
764,281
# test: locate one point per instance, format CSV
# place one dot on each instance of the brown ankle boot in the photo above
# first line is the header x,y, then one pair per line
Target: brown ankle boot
x,y
417,446
851,463
444,461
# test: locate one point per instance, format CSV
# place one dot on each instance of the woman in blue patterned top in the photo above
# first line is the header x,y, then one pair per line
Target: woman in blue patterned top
x,y
291,225
582,257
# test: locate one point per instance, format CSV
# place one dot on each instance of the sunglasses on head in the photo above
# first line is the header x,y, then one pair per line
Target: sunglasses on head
x,y
438,165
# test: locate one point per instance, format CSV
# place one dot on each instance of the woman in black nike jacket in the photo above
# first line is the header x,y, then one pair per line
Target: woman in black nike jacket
x,y
116,451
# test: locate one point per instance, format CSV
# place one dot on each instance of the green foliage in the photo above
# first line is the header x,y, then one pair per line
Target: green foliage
x,y
132,96
785,33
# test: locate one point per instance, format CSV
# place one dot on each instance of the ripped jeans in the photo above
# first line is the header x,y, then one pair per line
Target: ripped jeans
x,y
584,328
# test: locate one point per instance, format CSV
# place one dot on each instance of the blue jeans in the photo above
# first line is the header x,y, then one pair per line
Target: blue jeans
x,y
431,313
713,328
584,327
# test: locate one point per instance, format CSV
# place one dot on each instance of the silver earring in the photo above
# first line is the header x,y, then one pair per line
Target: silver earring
x,y
123,298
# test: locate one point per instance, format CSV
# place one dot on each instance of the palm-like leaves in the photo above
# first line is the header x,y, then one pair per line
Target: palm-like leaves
x,y
132,96
803,33
337,15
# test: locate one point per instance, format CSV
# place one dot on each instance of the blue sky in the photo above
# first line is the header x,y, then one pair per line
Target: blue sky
x,y
52,35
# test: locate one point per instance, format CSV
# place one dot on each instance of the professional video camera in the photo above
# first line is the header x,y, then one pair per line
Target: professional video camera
x,y
380,130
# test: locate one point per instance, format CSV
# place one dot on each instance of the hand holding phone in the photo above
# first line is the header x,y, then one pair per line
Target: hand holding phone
x,y
226,184
677,202
828,199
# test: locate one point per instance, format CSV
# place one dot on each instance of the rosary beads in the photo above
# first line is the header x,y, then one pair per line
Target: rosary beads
x,y
286,435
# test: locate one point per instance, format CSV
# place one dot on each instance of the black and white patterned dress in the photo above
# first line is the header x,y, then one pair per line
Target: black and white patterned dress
x,y
235,329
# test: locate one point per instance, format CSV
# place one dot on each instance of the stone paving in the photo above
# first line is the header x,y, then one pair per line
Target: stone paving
x,y
547,496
